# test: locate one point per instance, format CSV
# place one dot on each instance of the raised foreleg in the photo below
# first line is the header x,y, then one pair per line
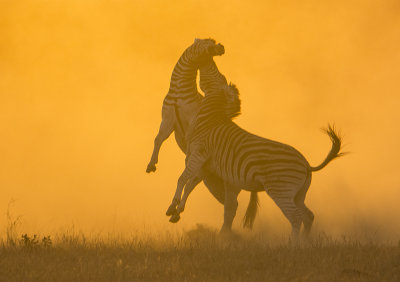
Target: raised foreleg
x,y
194,164
190,185
182,180
166,128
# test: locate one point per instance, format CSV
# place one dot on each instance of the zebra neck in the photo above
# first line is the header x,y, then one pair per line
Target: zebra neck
x,y
213,108
210,77
184,75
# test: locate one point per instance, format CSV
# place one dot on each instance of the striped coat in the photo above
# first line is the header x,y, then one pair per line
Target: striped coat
x,y
183,100
181,104
247,161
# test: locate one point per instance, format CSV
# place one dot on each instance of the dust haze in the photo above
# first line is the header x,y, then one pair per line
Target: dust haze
x,y
82,84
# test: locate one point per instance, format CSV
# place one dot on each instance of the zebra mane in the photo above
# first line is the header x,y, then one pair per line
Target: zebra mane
x,y
198,40
233,103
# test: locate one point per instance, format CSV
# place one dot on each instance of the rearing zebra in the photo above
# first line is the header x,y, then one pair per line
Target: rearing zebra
x,y
182,103
246,161
183,100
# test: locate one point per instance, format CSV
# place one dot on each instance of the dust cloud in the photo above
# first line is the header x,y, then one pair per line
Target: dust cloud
x,y
82,84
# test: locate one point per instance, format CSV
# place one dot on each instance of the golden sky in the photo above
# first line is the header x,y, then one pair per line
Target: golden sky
x,y
82,84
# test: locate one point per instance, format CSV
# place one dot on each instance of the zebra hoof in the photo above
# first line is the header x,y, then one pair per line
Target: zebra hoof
x,y
151,168
171,210
175,218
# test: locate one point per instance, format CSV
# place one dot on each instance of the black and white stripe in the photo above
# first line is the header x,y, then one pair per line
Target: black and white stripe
x,y
182,103
249,162
183,99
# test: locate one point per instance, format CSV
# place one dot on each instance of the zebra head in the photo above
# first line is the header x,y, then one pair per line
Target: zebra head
x,y
205,49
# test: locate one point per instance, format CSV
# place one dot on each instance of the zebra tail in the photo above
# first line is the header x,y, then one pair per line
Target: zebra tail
x,y
335,150
251,211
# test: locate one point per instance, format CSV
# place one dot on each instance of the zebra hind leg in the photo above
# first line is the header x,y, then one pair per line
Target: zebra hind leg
x,y
166,128
230,207
308,216
285,201
308,219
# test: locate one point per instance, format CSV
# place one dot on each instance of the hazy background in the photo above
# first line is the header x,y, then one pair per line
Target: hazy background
x,y
82,84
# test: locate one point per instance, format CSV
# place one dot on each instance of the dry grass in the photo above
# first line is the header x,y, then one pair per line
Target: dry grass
x,y
197,255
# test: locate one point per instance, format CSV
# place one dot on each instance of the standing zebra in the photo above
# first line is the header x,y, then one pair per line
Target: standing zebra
x,y
246,161
182,103
211,80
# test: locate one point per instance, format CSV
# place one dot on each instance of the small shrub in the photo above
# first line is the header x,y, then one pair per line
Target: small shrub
x,y
46,241
32,242
12,225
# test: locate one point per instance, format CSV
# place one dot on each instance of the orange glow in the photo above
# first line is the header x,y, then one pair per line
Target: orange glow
x,y
82,84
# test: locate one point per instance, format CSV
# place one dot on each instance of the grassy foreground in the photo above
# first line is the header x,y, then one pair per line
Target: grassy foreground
x,y
198,255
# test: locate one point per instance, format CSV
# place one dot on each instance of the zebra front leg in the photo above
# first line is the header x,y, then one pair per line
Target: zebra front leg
x,y
193,182
166,128
183,179
230,207
192,172
215,185
190,185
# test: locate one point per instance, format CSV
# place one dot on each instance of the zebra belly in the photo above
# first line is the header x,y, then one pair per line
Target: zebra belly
x,y
184,114
265,180
248,185
252,187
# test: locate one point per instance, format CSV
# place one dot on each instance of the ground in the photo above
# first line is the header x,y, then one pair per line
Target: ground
x,y
197,255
